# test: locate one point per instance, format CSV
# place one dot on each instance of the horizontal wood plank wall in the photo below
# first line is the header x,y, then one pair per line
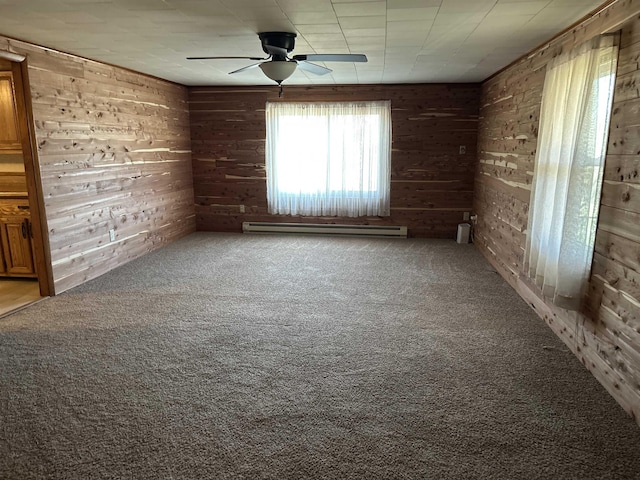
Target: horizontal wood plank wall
x,y
431,182
114,153
606,335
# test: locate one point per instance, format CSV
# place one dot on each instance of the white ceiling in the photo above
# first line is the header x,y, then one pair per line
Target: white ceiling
x,y
406,41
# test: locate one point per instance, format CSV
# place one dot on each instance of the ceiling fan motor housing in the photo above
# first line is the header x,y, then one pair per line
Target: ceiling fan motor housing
x,y
284,40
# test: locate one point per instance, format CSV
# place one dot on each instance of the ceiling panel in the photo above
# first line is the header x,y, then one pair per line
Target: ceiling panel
x,y
407,41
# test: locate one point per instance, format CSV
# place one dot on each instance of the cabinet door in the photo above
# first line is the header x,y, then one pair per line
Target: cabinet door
x,y
16,244
9,135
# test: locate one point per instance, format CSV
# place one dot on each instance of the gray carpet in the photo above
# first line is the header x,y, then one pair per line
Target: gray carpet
x,y
225,356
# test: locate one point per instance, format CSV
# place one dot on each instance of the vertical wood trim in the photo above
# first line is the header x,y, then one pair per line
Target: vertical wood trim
x,y
34,181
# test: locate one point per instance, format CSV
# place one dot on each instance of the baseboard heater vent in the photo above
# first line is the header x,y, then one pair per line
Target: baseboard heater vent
x,y
325,229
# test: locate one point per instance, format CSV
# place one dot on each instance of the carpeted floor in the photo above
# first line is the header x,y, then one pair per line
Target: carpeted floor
x,y
226,356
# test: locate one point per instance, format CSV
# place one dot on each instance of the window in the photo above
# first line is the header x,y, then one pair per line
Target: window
x,y
328,159
565,199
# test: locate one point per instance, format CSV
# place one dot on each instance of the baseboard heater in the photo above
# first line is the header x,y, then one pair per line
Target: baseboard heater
x,y
325,229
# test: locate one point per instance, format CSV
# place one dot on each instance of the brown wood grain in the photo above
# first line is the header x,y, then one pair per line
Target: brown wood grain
x,y
605,335
431,182
15,183
113,152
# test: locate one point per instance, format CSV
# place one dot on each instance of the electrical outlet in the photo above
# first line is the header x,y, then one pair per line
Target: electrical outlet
x,y
463,149
112,235
242,210
474,219
465,216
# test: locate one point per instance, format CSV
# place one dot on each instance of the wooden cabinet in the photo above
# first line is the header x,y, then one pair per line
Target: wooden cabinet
x,y
16,238
9,133
17,246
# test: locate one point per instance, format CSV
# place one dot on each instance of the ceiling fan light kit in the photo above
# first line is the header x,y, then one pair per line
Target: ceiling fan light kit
x,y
278,71
278,66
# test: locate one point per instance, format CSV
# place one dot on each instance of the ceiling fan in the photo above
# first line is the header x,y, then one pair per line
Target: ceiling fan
x,y
278,66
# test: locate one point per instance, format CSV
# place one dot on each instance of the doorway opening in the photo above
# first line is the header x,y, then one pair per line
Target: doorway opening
x,y
25,271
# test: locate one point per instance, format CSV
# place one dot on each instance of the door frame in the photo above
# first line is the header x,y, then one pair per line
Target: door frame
x,y
26,126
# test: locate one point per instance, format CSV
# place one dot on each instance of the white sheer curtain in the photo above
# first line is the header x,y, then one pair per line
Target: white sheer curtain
x,y
328,159
574,124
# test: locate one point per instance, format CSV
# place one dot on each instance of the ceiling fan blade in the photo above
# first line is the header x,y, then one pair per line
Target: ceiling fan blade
x,y
313,68
335,57
226,58
273,50
248,67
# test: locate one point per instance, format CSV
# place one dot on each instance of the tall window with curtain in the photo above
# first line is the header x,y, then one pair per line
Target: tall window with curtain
x,y
565,198
329,159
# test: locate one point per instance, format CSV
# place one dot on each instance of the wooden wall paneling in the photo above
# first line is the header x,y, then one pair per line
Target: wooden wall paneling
x,y
622,351
431,183
621,195
622,168
622,320
621,222
620,249
622,277
114,152
605,335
